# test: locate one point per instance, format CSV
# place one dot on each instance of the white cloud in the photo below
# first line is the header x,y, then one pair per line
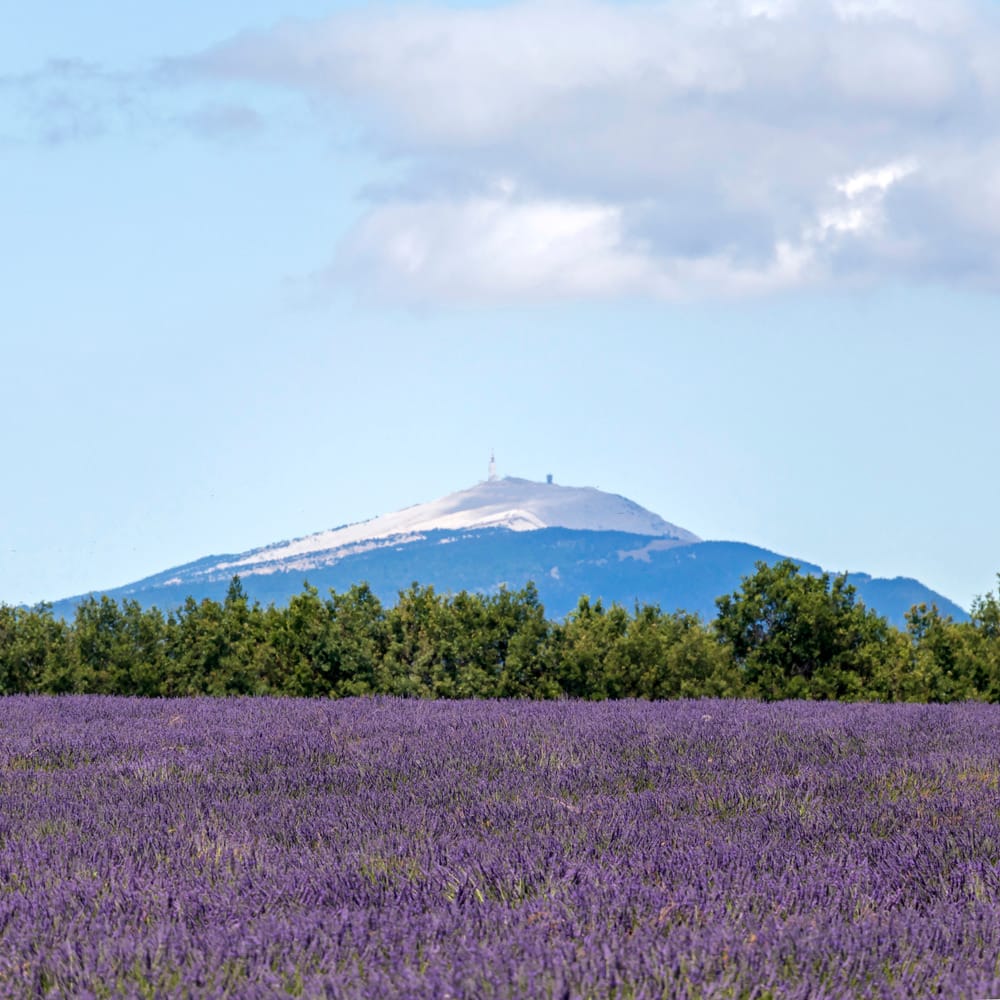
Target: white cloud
x,y
499,248
860,211
554,148
880,179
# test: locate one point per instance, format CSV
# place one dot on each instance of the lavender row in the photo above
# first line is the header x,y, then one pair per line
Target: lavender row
x,y
386,847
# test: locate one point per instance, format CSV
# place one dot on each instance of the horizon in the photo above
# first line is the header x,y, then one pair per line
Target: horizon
x,y
273,266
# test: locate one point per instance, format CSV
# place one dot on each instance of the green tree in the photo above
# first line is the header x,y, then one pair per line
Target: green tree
x,y
523,644
801,636
412,663
33,651
939,663
215,648
242,626
670,656
581,651
117,649
303,647
466,645
360,639
195,647
332,647
983,645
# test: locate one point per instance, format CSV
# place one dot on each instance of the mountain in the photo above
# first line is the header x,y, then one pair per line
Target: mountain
x,y
504,532
514,505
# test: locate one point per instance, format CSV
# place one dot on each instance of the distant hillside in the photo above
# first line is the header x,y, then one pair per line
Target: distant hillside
x,y
563,562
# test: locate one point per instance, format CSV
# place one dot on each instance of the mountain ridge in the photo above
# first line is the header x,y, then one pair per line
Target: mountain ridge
x,y
510,503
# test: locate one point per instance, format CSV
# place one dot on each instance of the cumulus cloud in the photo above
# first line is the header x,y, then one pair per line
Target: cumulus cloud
x,y
568,148
503,248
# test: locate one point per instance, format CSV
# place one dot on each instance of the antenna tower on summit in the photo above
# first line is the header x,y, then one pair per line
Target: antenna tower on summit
x,y
493,468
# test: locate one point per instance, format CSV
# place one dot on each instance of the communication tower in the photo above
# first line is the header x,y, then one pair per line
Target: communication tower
x,y
493,468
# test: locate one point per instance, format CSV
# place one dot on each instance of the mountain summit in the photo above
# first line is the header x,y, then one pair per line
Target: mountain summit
x,y
509,503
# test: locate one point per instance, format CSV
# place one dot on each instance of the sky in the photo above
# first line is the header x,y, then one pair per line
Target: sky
x,y
269,268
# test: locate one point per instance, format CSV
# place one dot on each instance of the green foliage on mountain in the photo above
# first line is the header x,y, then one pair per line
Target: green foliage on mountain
x,y
782,634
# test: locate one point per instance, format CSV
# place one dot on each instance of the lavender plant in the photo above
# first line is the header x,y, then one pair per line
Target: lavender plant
x,y
383,847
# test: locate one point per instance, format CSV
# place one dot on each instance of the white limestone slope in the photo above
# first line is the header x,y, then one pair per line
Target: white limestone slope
x,y
514,504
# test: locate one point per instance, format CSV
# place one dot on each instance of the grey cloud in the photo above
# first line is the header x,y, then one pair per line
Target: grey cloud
x,y
665,148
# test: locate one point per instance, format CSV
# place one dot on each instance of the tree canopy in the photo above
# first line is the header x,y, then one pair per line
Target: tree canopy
x,y
782,634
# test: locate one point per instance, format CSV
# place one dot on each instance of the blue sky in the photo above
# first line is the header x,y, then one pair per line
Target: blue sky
x,y
270,268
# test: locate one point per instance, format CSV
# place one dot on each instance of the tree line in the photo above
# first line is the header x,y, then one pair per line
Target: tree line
x,y
782,634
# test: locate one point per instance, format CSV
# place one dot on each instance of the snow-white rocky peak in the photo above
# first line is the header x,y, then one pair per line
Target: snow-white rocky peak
x,y
510,503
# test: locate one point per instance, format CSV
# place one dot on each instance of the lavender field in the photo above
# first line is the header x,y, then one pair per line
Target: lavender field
x,y
381,847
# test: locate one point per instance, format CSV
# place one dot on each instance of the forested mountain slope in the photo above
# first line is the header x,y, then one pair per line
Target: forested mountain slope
x,y
563,563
